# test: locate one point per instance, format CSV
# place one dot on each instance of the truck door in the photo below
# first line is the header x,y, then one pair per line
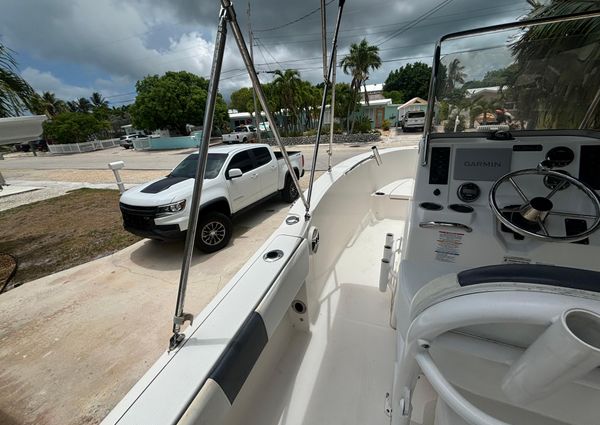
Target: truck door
x,y
267,169
246,189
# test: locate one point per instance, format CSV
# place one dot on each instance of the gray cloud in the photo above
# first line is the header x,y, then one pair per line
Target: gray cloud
x,y
118,37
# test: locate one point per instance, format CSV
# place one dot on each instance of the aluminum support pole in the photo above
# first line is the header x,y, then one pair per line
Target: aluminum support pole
x,y
332,64
239,38
324,38
332,109
213,86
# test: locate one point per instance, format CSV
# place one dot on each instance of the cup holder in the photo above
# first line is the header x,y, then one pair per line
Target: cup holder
x,y
273,255
431,206
461,208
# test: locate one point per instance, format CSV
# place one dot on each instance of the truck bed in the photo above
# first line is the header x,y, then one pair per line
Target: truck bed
x,y
279,155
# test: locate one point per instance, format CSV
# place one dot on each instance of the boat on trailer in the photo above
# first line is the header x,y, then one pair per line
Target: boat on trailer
x,y
453,284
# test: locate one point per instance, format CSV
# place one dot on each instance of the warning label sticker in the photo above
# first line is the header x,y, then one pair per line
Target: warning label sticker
x,y
448,246
516,260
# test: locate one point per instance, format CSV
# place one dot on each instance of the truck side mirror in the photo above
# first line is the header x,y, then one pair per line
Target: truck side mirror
x,y
234,173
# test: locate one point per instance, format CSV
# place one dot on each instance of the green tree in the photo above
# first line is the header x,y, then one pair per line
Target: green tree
x,y
242,100
456,75
73,127
412,80
80,105
287,83
493,78
397,96
173,100
557,99
15,94
362,59
98,101
47,104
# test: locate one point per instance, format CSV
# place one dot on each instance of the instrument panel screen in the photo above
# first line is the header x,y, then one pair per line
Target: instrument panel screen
x,y
479,164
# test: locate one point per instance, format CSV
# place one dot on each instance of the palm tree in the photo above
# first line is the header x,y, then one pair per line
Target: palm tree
x,y
47,104
98,100
559,99
15,93
83,105
287,84
456,75
361,59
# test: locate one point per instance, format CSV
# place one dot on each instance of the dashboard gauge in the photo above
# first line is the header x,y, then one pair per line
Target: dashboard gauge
x,y
468,192
552,182
560,156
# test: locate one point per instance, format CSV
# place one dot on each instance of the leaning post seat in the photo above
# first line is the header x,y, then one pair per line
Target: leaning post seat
x,y
563,277
474,307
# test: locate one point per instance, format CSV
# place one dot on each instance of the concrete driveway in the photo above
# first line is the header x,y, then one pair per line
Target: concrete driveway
x,y
72,344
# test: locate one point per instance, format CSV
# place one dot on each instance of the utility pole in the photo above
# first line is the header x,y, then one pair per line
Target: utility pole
x,y
324,39
251,38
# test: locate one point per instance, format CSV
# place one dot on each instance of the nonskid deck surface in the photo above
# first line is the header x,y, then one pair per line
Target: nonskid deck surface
x,y
340,372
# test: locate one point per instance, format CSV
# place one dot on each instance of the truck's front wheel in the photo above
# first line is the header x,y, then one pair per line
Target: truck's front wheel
x,y
214,231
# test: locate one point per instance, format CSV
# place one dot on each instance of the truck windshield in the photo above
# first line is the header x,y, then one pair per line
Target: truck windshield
x,y
187,168
416,114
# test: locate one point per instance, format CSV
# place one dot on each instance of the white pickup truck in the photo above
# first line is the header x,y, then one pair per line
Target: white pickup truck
x,y
237,178
241,134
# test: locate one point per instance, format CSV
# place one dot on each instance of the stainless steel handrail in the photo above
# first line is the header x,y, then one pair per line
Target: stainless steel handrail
x,y
444,225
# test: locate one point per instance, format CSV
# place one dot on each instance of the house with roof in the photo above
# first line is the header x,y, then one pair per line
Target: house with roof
x,y
415,104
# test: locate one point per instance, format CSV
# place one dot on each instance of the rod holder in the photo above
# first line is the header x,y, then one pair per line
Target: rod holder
x,y
389,239
567,350
384,274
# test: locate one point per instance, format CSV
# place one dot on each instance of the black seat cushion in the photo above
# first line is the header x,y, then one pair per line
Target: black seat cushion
x,y
564,277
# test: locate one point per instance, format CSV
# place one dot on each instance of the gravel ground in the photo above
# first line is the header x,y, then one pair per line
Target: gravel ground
x,y
58,182
89,176
8,202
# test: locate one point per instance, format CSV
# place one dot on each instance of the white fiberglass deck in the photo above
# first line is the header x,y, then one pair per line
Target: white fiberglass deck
x,y
340,371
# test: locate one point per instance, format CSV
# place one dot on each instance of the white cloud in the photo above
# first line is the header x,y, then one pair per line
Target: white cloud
x,y
118,38
45,81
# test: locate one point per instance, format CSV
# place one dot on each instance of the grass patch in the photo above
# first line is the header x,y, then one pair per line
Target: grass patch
x,y
62,232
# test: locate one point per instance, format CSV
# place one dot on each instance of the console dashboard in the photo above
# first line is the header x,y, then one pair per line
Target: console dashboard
x,y
454,188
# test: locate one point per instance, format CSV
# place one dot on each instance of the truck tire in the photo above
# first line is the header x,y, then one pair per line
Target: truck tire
x,y
289,193
244,140
214,231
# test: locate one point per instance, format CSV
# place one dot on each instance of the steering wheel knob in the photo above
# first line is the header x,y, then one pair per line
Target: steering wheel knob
x,y
536,209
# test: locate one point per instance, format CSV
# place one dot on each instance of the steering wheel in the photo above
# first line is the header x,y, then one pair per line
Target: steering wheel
x,y
529,218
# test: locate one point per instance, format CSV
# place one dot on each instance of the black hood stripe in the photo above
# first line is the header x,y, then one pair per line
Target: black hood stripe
x,y
163,184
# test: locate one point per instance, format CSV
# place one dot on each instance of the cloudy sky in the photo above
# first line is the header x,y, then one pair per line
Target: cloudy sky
x,y
75,47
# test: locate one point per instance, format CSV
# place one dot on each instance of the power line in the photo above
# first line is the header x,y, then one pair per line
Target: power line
x,y
314,40
312,12
120,94
269,53
416,21
395,24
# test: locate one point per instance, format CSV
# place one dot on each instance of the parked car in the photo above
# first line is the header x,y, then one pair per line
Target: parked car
x,y
237,178
413,120
38,145
241,134
127,140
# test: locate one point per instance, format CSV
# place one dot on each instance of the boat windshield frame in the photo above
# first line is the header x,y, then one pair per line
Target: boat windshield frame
x,y
427,131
